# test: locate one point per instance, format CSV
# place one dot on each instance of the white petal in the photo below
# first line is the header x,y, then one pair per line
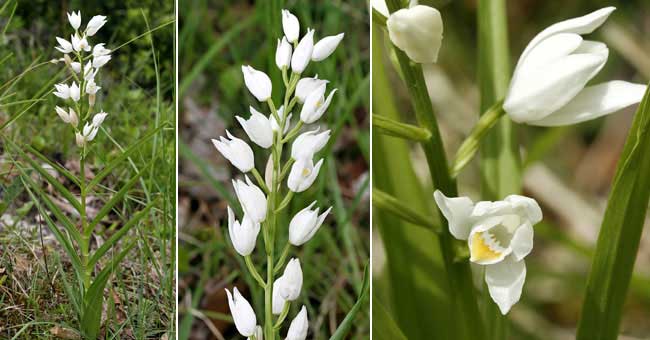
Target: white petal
x,y
522,241
457,211
548,51
595,101
417,31
530,208
505,281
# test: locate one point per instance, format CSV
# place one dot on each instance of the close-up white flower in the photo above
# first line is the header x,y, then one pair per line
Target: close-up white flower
x,y
326,46
499,236
283,53
303,174
99,50
69,117
299,326
91,87
290,26
315,105
243,235
80,43
242,313
237,151
302,53
64,45
257,82
291,283
75,92
305,224
308,85
309,143
75,19
99,61
95,24
417,31
549,85
277,303
62,91
258,128
251,198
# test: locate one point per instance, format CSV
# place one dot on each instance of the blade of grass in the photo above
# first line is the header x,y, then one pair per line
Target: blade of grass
x,y
620,233
346,324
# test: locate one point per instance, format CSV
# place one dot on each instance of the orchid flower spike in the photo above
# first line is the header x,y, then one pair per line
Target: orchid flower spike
x,y
243,235
306,86
258,128
242,313
291,283
75,19
302,54
309,143
236,151
95,24
257,82
548,85
303,174
417,31
283,53
315,105
305,224
291,26
326,46
252,199
499,235
299,326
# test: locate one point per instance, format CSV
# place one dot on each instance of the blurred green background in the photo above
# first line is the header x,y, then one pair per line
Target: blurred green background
x,y
568,170
215,39
138,92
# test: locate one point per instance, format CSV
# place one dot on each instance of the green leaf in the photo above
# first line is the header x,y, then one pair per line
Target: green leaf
x,y
388,203
106,246
383,326
618,240
94,298
56,166
346,324
398,129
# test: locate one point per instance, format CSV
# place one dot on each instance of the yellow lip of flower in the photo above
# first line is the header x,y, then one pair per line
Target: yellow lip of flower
x,y
481,251
305,172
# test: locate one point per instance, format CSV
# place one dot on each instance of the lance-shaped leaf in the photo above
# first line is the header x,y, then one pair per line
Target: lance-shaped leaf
x,y
346,325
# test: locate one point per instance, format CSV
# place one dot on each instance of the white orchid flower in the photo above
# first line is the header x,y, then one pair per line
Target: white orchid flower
x,y
258,128
315,105
303,174
252,199
326,46
499,235
299,326
548,85
417,31
275,126
259,333
283,53
75,19
257,82
238,152
302,53
305,224
75,92
277,301
306,86
309,143
79,43
291,26
91,87
291,284
69,117
100,61
64,46
242,313
95,24
243,235
99,50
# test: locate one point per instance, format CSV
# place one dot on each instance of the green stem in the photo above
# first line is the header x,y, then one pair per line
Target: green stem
x,y
284,202
253,271
260,180
386,202
286,168
394,128
85,247
293,132
283,315
282,259
459,275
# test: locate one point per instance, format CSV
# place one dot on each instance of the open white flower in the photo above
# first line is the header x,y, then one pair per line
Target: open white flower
x,y
315,105
302,53
75,92
69,117
238,152
303,174
242,313
75,19
101,60
258,128
64,45
95,24
499,236
326,46
257,82
99,50
243,235
305,224
548,85
299,326
252,199
283,53
417,31
62,91
290,25
309,143
308,85
80,43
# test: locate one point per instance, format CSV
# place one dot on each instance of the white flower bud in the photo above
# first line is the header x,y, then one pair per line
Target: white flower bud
x,y
242,313
309,143
257,82
326,46
243,235
76,67
277,301
302,54
290,25
303,174
299,326
315,105
252,199
258,128
417,31
283,53
62,91
99,50
291,282
238,152
305,224
100,61
75,93
64,45
259,333
98,119
95,24
306,86
75,19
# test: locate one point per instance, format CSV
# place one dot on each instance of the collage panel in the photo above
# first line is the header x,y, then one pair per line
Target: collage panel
x,y
87,170
273,182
